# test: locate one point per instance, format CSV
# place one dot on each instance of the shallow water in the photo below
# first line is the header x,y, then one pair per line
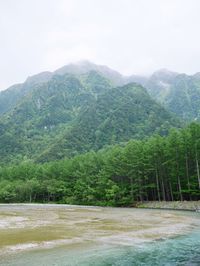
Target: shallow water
x,y
74,235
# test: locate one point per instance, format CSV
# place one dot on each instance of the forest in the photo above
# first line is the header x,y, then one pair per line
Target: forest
x,y
160,168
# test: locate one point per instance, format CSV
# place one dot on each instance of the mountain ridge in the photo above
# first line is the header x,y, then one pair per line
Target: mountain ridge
x,y
179,93
117,116
70,104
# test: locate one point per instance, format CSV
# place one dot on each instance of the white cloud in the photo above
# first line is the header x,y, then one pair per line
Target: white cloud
x,y
58,57
132,36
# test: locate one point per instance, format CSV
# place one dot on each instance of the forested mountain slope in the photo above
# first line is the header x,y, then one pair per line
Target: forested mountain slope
x,y
125,128
78,113
158,168
179,93
12,96
116,116
45,112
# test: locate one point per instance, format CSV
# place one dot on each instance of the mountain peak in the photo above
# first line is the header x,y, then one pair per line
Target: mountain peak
x,y
85,66
84,62
164,72
197,75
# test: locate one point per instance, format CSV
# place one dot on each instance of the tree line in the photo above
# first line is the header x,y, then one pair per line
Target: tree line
x,y
156,169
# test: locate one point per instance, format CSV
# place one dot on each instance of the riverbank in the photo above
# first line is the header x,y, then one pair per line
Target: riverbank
x,y
171,205
165,205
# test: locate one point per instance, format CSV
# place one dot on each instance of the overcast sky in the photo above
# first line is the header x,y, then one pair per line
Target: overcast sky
x,y
131,36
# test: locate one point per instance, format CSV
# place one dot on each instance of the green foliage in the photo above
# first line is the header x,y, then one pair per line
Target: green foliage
x,y
44,111
94,140
70,114
116,116
179,93
158,168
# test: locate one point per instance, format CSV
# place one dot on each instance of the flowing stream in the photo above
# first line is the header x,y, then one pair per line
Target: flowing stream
x,y
35,235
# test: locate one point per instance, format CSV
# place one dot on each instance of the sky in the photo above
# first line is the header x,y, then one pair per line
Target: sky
x,y
131,36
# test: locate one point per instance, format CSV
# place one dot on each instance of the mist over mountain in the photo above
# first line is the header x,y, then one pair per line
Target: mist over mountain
x,y
79,107
178,93
84,106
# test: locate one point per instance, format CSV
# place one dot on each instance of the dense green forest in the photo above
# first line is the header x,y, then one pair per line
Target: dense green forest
x,y
116,116
178,93
85,134
69,115
158,168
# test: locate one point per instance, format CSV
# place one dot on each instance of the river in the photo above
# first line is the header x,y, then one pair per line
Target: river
x,y
35,235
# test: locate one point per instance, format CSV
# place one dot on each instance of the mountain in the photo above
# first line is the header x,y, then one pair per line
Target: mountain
x,y
115,77
45,111
39,78
116,116
179,93
78,112
13,95
9,98
79,68
159,84
83,67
